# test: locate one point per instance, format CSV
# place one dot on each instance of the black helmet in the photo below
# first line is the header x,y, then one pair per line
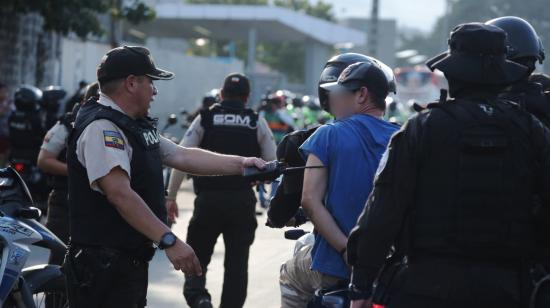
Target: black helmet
x,y
51,98
523,41
27,98
338,63
210,98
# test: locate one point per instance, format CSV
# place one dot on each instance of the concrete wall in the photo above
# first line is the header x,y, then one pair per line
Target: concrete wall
x,y
79,61
387,38
316,56
194,75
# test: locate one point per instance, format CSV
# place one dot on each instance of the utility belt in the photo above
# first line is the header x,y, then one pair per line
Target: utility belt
x,y
391,278
142,254
87,266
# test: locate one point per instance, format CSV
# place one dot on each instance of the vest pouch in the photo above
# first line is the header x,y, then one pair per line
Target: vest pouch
x,y
482,175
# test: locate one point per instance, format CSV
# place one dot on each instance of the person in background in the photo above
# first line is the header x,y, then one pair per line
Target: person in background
x,y
6,108
224,205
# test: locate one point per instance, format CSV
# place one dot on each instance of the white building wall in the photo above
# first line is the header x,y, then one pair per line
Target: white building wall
x,y
79,60
194,75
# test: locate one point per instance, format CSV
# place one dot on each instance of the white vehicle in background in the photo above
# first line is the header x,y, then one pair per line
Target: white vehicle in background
x,y
415,85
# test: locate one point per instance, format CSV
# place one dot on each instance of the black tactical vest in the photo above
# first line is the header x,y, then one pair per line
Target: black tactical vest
x,y
96,222
229,128
475,182
26,135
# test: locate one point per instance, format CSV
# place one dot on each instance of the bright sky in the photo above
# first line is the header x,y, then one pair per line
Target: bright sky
x,y
420,14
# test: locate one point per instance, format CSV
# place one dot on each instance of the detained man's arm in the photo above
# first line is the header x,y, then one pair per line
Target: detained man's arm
x,y
315,185
49,163
117,189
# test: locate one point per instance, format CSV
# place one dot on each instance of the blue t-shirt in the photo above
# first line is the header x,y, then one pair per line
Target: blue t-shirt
x,y
351,149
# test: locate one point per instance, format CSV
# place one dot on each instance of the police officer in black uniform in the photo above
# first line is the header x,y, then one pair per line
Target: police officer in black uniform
x,y
225,205
51,101
454,190
116,193
525,47
25,125
26,131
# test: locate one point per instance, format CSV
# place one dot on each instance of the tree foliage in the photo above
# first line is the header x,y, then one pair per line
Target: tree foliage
x,y
536,12
80,16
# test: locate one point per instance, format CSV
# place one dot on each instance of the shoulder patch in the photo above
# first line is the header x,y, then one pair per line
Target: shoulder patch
x,y
113,139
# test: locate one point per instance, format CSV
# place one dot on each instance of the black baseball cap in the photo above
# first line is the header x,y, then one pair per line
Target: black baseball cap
x,y
236,84
367,74
123,61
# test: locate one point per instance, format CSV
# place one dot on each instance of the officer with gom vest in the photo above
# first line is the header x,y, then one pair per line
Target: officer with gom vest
x,y
224,205
116,192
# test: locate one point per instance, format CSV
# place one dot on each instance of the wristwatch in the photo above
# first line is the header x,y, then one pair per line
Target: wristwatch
x,y
356,294
167,240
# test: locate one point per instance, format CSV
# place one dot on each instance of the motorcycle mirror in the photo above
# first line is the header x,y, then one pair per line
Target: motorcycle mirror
x,y
295,234
172,119
28,213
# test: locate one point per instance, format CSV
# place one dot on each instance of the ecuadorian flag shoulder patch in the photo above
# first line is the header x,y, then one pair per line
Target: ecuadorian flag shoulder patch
x,y
113,139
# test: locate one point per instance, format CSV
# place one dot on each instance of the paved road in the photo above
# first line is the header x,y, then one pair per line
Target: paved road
x,y
269,250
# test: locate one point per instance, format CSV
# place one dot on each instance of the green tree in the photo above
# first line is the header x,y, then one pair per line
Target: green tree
x,y
252,2
535,12
79,16
319,9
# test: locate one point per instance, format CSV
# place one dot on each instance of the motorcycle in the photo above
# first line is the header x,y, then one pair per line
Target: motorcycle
x,y
22,286
36,181
336,297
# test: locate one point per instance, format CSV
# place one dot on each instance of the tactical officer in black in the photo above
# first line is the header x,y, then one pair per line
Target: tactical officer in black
x,y
224,205
26,131
116,193
454,191
25,125
525,47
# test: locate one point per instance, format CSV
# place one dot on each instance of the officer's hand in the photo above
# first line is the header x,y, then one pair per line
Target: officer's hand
x,y
253,162
361,303
172,210
183,258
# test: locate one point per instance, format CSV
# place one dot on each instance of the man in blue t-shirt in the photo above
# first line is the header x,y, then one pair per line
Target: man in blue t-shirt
x,y
333,197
